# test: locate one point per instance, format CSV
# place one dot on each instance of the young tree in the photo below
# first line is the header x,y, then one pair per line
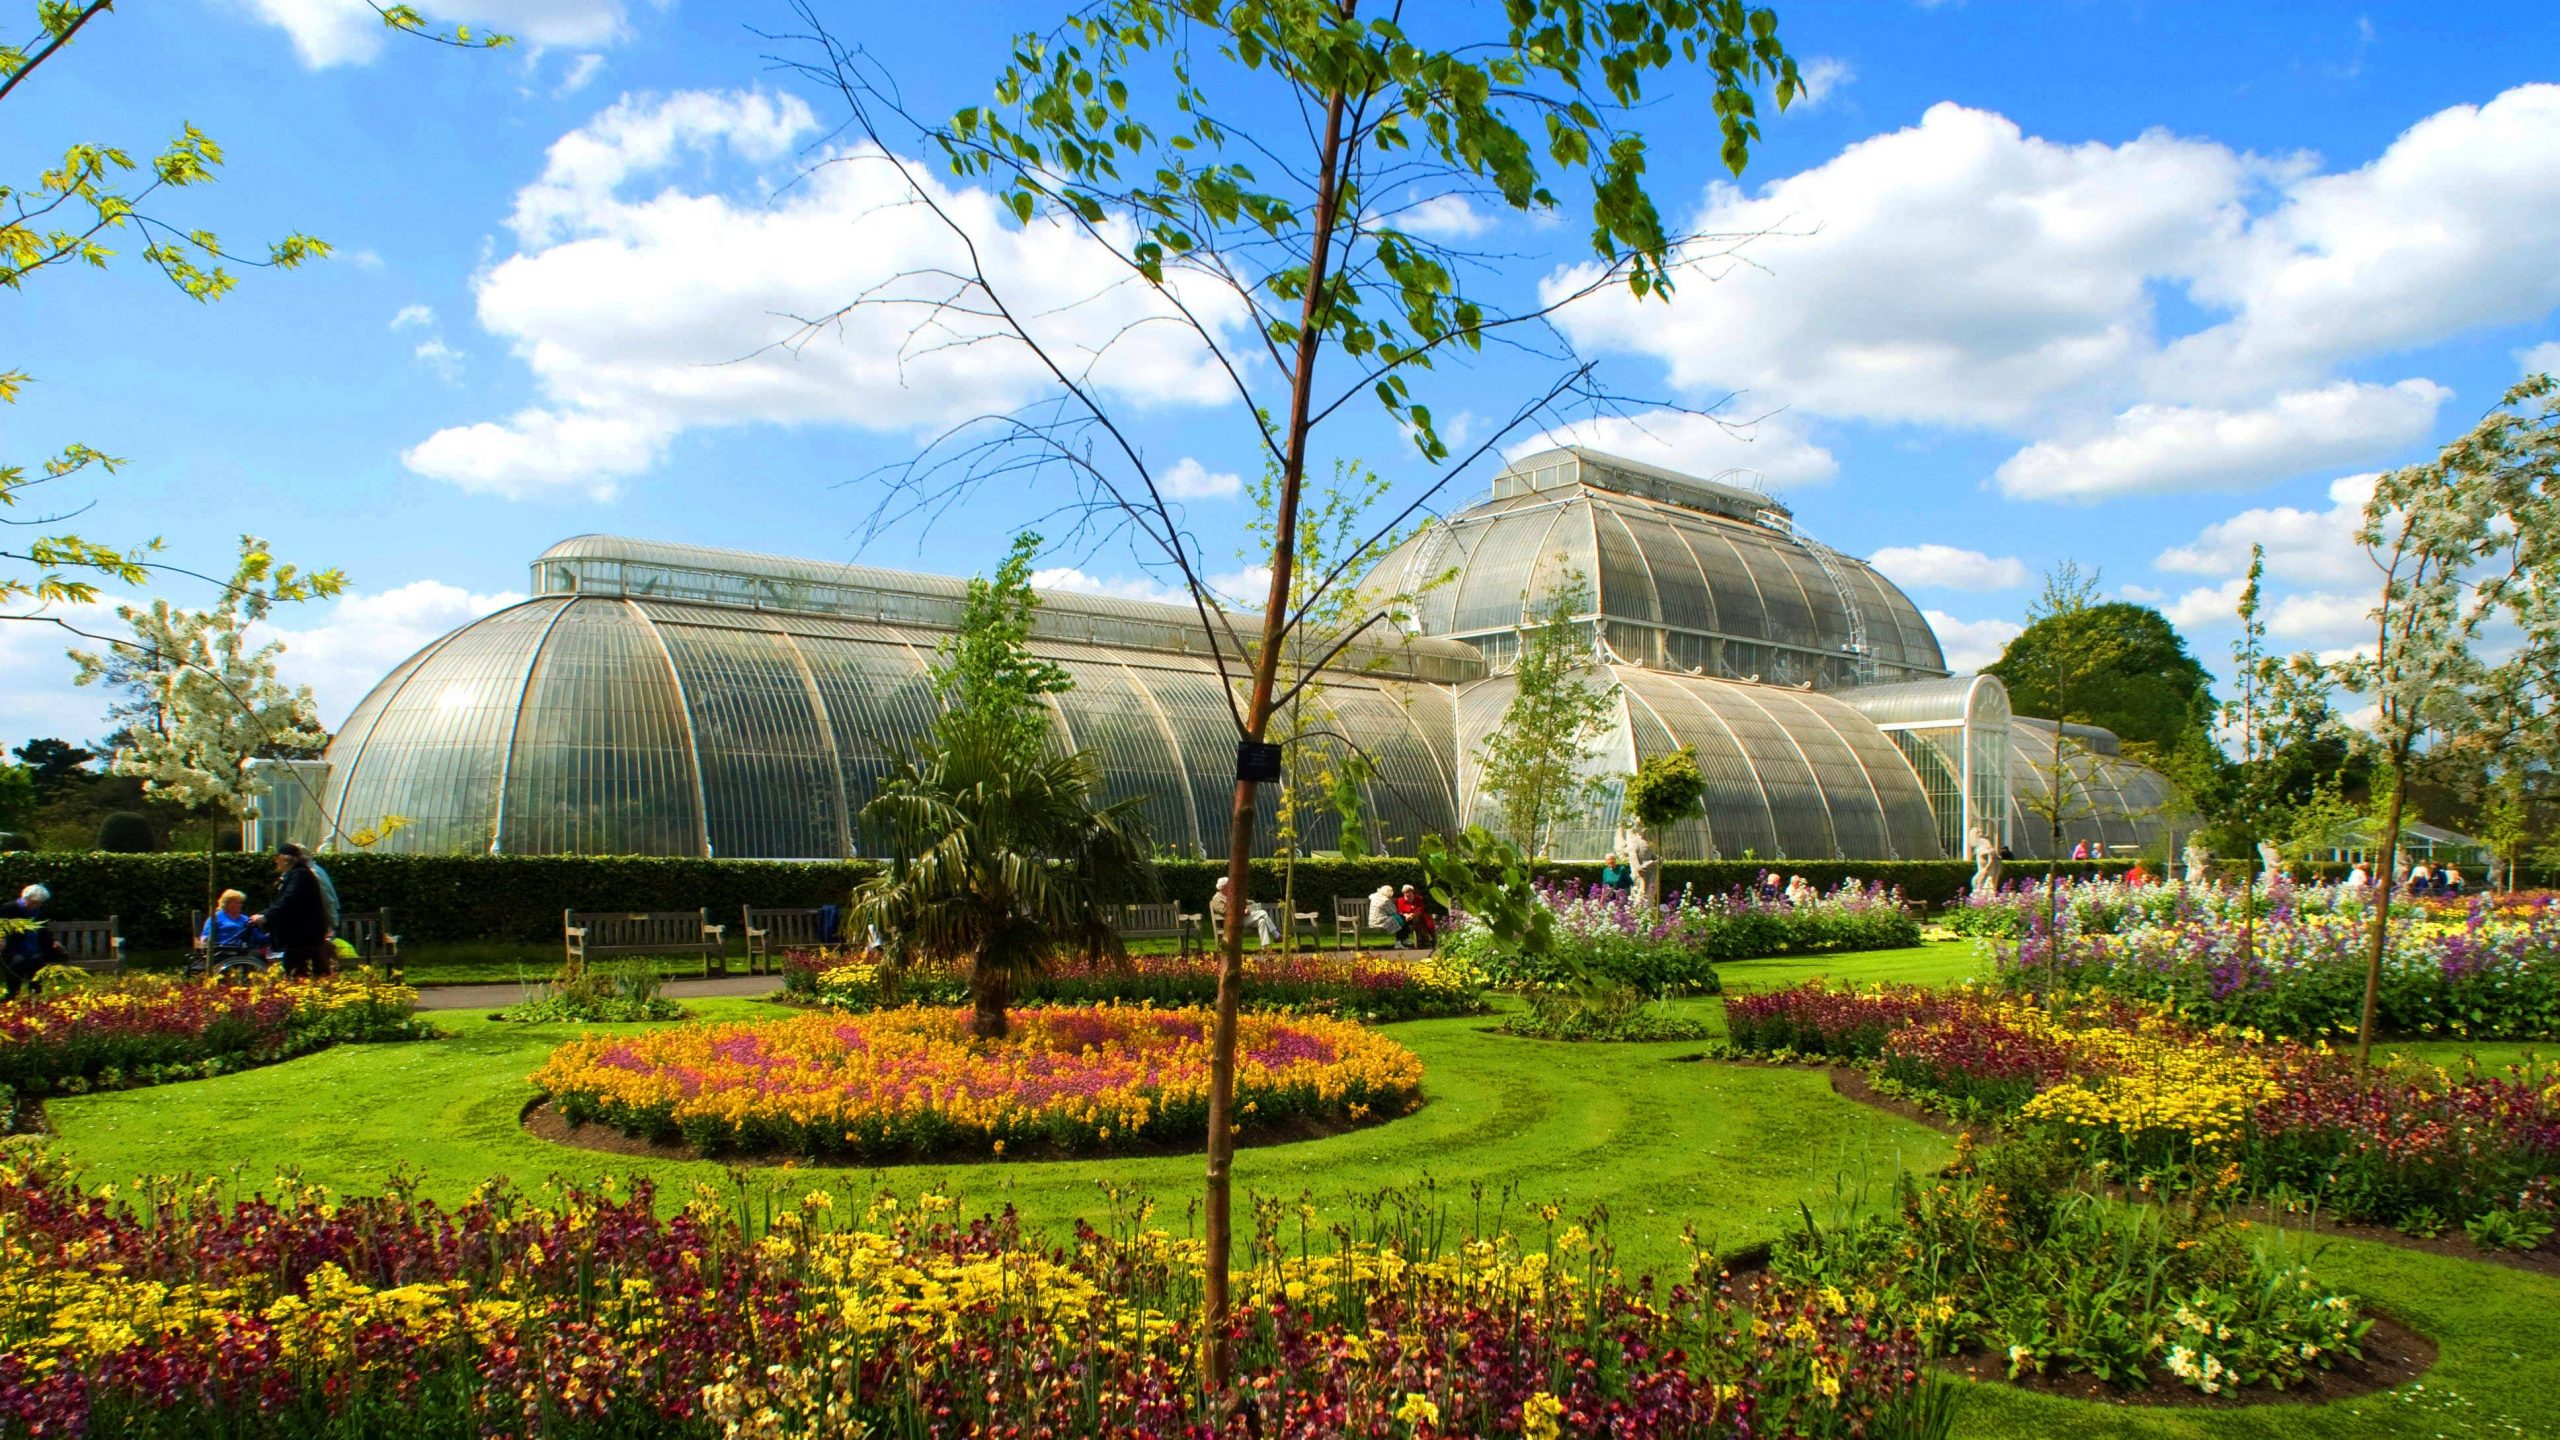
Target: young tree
x,y
1248,164
2076,646
71,217
1536,765
2464,542
1665,790
998,853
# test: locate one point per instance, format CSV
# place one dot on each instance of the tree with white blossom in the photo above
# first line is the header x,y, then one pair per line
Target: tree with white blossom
x,y
2468,546
205,697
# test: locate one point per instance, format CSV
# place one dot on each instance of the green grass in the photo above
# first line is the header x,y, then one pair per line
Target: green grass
x,y
1661,1143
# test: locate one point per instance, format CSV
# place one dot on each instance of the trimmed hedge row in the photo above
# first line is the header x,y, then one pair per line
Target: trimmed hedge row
x,y
519,897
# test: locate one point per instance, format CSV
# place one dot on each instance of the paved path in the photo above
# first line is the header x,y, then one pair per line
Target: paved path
x,y
499,997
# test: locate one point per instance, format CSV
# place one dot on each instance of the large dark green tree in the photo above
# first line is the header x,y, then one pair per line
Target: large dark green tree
x,y
2150,691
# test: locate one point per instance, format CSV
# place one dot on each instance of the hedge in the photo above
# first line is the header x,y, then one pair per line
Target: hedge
x,y
519,898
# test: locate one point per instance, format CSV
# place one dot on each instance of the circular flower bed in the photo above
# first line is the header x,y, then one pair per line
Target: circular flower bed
x,y
905,1084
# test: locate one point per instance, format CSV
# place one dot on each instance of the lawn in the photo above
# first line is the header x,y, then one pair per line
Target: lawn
x,y
1660,1141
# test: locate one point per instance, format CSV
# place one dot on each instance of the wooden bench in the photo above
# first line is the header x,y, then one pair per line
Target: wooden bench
x,y
96,946
1350,922
370,932
1161,921
595,934
771,930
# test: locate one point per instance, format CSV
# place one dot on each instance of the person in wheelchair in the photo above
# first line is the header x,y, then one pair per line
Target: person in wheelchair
x,y
231,937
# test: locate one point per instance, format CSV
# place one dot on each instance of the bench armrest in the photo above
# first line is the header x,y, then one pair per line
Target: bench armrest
x,y
716,932
575,932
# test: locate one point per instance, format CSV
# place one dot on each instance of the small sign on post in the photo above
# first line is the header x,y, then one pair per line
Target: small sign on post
x,y
1257,761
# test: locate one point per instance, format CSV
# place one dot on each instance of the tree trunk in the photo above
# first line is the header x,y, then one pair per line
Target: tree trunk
x,y
1217,1231
2381,912
990,994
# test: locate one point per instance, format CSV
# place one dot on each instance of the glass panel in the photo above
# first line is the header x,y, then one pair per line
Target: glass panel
x,y
434,742
601,762
769,776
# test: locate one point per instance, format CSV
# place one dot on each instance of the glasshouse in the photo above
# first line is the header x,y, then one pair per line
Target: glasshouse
x,y
664,699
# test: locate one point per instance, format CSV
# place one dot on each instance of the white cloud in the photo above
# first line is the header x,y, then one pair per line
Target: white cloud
x,y
1825,76
1773,448
2154,449
2207,606
1955,272
2449,229
2542,359
344,653
413,315
1071,580
722,276
1442,217
580,71
350,32
1191,480
1960,272
441,358
540,453
1945,567
1970,644
41,700
2322,618
2311,547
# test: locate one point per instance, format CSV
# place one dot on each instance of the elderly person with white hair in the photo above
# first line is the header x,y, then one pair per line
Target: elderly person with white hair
x,y
27,948
1254,914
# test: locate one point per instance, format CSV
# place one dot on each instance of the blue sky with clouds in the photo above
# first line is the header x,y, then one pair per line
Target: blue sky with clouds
x,y
2134,284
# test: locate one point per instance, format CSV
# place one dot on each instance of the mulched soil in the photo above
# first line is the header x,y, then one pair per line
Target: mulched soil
x,y
543,1121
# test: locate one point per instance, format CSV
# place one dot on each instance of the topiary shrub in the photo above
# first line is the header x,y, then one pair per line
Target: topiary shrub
x,y
125,833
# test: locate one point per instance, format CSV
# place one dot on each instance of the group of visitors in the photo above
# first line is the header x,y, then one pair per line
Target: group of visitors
x,y
297,930
2419,879
1405,915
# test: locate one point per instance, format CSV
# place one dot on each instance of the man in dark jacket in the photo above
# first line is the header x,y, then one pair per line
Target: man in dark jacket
x,y
297,920
30,948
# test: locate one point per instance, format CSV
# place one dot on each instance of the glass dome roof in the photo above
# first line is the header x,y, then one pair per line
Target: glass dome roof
x,y
1681,574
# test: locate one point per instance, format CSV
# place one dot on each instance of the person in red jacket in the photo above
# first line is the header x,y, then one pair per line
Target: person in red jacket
x,y
1417,913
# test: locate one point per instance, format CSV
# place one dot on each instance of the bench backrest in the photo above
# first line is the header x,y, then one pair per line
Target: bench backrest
x,y
784,925
367,930
1354,912
1162,918
85,940
641,929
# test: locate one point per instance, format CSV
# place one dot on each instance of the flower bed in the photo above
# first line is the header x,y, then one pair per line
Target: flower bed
x,y
2030,1267
2147,1092
911,1083
1364,986
2302,974
142,1029
1674,950
597,1316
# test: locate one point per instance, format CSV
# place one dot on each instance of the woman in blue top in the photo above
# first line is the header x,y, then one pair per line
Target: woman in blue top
x,y
230,928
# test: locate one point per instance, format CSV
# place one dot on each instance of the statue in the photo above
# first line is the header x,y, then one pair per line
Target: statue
x,y
1986,861
2199,862
1646,866
2272,858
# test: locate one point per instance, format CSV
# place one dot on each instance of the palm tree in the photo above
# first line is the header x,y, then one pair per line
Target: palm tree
x,y
1000,858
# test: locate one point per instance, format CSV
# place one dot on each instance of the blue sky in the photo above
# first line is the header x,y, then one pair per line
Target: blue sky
x,y
2132,284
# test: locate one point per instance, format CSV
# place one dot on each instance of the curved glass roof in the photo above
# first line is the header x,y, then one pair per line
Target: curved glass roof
x,y
2114,805
600,725
1790,773
1678,574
